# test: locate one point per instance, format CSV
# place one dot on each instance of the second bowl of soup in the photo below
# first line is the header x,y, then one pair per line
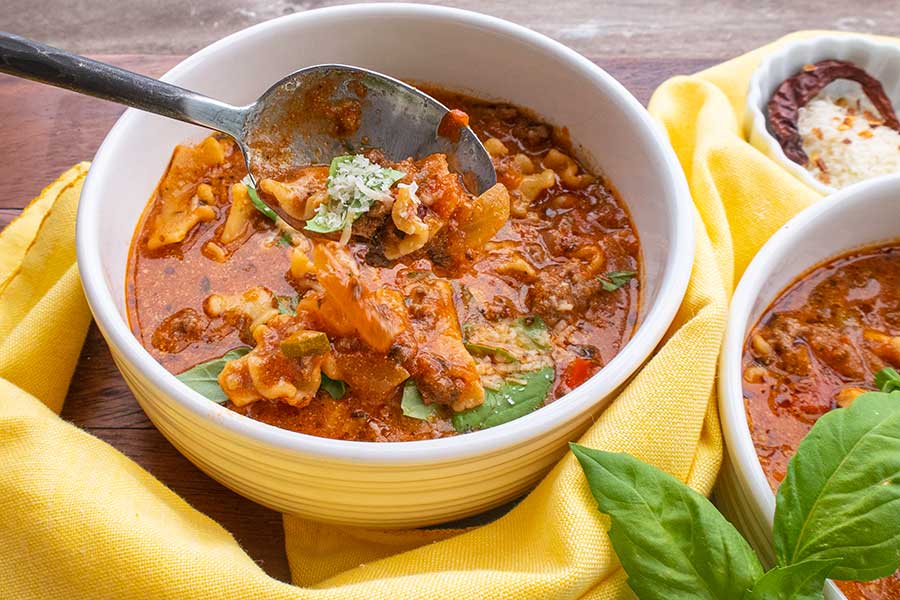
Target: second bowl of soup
x,y
815,316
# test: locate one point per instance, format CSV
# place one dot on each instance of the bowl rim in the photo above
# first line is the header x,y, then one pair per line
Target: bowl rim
x,y
675,274
741,453
755,101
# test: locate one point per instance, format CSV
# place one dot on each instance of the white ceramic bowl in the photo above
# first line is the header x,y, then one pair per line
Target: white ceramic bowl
x,y
838,224
880,59
400,484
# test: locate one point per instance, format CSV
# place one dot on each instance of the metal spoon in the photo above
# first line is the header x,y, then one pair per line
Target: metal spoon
x,y
306,118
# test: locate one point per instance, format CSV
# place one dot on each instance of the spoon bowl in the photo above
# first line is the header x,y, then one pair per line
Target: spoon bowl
x,y
307,118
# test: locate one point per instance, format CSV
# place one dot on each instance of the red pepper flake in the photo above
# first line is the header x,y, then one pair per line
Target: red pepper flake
x,y
872,119
847,124
847,141
823,175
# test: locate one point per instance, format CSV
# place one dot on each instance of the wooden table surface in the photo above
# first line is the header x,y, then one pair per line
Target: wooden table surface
x,y
45,130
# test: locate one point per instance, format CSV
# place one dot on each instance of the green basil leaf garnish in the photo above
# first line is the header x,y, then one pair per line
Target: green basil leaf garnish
x,y
671,541
412,405
887,380
485,350
259,204
841,495
802,581
535,330
615,279
204,378
517,396
333,387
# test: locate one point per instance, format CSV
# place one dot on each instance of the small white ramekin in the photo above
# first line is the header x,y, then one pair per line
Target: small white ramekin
x,y
389,484
879,59
837,224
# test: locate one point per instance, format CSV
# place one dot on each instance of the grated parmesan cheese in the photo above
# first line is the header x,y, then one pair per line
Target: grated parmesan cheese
x,y
845,139
354,184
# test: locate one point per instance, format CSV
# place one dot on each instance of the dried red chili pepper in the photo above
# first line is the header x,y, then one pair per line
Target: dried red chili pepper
x,y
796,92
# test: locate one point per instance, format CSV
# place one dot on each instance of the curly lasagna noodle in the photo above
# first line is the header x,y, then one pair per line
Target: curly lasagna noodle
x,y
408,307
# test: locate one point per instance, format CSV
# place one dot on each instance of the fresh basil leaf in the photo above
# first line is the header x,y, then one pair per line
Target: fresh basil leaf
x,y
287,305
254,199
887,380
616,279
204,378
802,581
412,405
535,329
334,387
517,396
671,541
339,161
485,350
840,498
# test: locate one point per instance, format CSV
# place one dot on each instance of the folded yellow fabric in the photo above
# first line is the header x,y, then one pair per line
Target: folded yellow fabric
x,y
80,520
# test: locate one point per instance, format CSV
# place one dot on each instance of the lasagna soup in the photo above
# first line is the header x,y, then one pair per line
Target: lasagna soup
x,y
816,348
407,308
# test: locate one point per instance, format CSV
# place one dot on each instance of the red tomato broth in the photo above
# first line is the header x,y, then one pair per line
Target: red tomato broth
x,y
559,222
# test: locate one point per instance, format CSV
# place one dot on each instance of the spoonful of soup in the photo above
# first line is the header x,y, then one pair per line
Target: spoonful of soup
x,y
320,115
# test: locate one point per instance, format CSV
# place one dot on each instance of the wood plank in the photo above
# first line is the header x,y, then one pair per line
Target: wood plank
x,y
654,28
52,129
7,215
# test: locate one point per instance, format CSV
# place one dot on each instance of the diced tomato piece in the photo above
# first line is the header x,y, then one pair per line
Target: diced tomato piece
x,y
578,371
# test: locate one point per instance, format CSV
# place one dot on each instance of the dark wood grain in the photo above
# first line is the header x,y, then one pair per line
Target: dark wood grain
x,y
45,131
649,28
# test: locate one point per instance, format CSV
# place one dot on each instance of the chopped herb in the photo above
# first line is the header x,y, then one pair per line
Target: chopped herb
x,y
485,350
518,396
333,387
531,334
615,279
412,404
535,330
259,204
287,305
305,343
284,240
354,184
887,380
204,378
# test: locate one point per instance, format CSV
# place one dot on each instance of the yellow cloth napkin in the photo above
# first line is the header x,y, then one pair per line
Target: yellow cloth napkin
x,y
80,520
